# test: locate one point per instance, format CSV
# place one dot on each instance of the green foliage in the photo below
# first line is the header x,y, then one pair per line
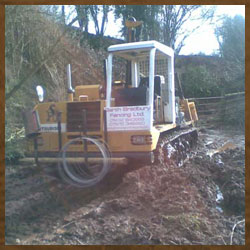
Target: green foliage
x,y
231,38
29,34
98,43
14,145
234,114
197,81
228,73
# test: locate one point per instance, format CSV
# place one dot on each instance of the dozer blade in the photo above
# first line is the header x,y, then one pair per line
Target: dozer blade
x,y
176,149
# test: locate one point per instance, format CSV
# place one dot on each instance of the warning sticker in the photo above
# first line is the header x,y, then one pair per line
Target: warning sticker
x,y
128,118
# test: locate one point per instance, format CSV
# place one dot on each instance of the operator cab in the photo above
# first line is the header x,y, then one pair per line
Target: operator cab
x,y
151,82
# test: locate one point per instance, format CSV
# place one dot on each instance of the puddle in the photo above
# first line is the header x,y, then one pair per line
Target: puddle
x,y
219,161
219,199
209,143
219,195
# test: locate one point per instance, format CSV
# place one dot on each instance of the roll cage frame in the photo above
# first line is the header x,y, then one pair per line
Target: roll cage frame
x,y
147,49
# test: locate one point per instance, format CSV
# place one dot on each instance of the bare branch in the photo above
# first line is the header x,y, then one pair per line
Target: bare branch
x,y
48,55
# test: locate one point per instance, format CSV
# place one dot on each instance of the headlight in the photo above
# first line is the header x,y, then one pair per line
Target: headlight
x,y
141,139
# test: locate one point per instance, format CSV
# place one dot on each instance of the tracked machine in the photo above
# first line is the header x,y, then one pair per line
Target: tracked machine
x,y
143,119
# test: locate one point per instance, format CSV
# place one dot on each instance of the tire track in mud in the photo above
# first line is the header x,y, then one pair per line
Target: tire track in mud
x,y
32,197
150,205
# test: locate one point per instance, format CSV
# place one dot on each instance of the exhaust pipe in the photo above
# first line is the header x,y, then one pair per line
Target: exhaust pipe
x,y
71,91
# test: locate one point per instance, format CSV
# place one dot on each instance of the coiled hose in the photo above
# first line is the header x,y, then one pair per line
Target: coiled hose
x,y
78,171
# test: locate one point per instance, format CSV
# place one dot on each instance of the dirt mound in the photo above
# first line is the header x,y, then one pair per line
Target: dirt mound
x,y
199,203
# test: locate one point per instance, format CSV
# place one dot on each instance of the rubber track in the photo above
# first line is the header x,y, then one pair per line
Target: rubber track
x,y
175,148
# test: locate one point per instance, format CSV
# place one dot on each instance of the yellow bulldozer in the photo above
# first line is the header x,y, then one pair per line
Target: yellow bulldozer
x,y
142,119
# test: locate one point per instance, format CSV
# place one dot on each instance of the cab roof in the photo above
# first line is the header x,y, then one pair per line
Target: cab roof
x,y
139,49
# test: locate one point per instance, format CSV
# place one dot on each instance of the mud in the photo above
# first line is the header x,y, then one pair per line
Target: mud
x,y
198,203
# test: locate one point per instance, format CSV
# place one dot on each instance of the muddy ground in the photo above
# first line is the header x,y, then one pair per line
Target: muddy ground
x,y
202,202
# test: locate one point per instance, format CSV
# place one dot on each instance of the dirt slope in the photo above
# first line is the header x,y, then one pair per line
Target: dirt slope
x,y
151,205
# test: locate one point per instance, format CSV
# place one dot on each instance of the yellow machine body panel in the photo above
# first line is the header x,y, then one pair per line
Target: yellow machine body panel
x,y
189,110
118,141
90,92
48,112
49,141
121,141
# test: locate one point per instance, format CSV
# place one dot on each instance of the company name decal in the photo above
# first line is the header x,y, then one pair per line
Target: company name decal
x,y
52,127
128,118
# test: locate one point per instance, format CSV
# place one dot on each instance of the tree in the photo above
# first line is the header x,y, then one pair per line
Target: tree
x,y
83,12
146,13
199,81
87,12
231,38
174,19
26,47
63,14
166,23
95,11
35,58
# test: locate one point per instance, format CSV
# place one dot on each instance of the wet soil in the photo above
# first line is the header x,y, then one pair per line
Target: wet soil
x,y
202,202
